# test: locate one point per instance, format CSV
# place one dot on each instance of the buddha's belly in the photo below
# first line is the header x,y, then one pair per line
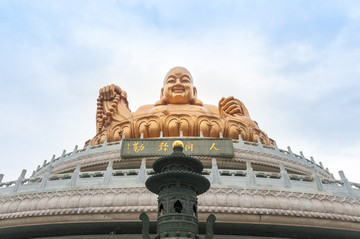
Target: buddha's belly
x,y
173,125
185,124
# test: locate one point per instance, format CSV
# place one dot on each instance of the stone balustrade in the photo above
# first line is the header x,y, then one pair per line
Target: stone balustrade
x,y
125,178
238,144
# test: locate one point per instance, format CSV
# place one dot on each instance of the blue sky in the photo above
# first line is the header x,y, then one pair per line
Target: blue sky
x,y
295,65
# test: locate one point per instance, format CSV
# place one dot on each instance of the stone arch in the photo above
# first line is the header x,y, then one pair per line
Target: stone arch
x,y
178,207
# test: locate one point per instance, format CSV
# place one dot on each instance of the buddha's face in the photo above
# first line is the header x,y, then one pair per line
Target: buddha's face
x,y
178,87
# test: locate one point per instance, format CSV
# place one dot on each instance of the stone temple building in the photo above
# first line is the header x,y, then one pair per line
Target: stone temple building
x,y
256,190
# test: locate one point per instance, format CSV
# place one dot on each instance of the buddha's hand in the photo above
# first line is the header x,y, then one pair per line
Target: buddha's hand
x,y
109,92
230,106
112,105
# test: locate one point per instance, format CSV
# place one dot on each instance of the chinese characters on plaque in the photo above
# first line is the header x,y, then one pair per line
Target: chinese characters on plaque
x,y
192,146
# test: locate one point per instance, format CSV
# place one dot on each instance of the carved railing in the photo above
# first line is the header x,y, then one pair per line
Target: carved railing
x,y
282,153
45,169
281,181
237,144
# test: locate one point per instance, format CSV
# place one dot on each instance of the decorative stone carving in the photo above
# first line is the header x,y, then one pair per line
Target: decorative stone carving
x,y
216,200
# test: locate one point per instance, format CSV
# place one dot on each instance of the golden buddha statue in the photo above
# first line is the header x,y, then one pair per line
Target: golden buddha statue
x,y
177,110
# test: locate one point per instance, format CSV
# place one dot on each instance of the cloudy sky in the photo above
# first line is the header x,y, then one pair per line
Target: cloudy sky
x,y
295,65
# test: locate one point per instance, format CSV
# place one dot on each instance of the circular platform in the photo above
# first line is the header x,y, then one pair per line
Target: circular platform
x,y
262,191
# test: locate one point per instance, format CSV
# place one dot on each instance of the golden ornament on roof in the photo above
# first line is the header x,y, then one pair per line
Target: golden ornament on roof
x,y
178,143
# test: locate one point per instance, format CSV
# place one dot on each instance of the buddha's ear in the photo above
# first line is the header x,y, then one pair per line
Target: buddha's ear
x,y
195,100
162,100
162,93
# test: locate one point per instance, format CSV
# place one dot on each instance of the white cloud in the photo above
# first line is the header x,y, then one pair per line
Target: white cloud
x,y
289,89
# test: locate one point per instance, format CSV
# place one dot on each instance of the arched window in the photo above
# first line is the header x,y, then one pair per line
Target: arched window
x,y
194,211
178,206
161,209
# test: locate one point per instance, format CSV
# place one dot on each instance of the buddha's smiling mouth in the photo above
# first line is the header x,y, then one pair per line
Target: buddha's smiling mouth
x,y
178,89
